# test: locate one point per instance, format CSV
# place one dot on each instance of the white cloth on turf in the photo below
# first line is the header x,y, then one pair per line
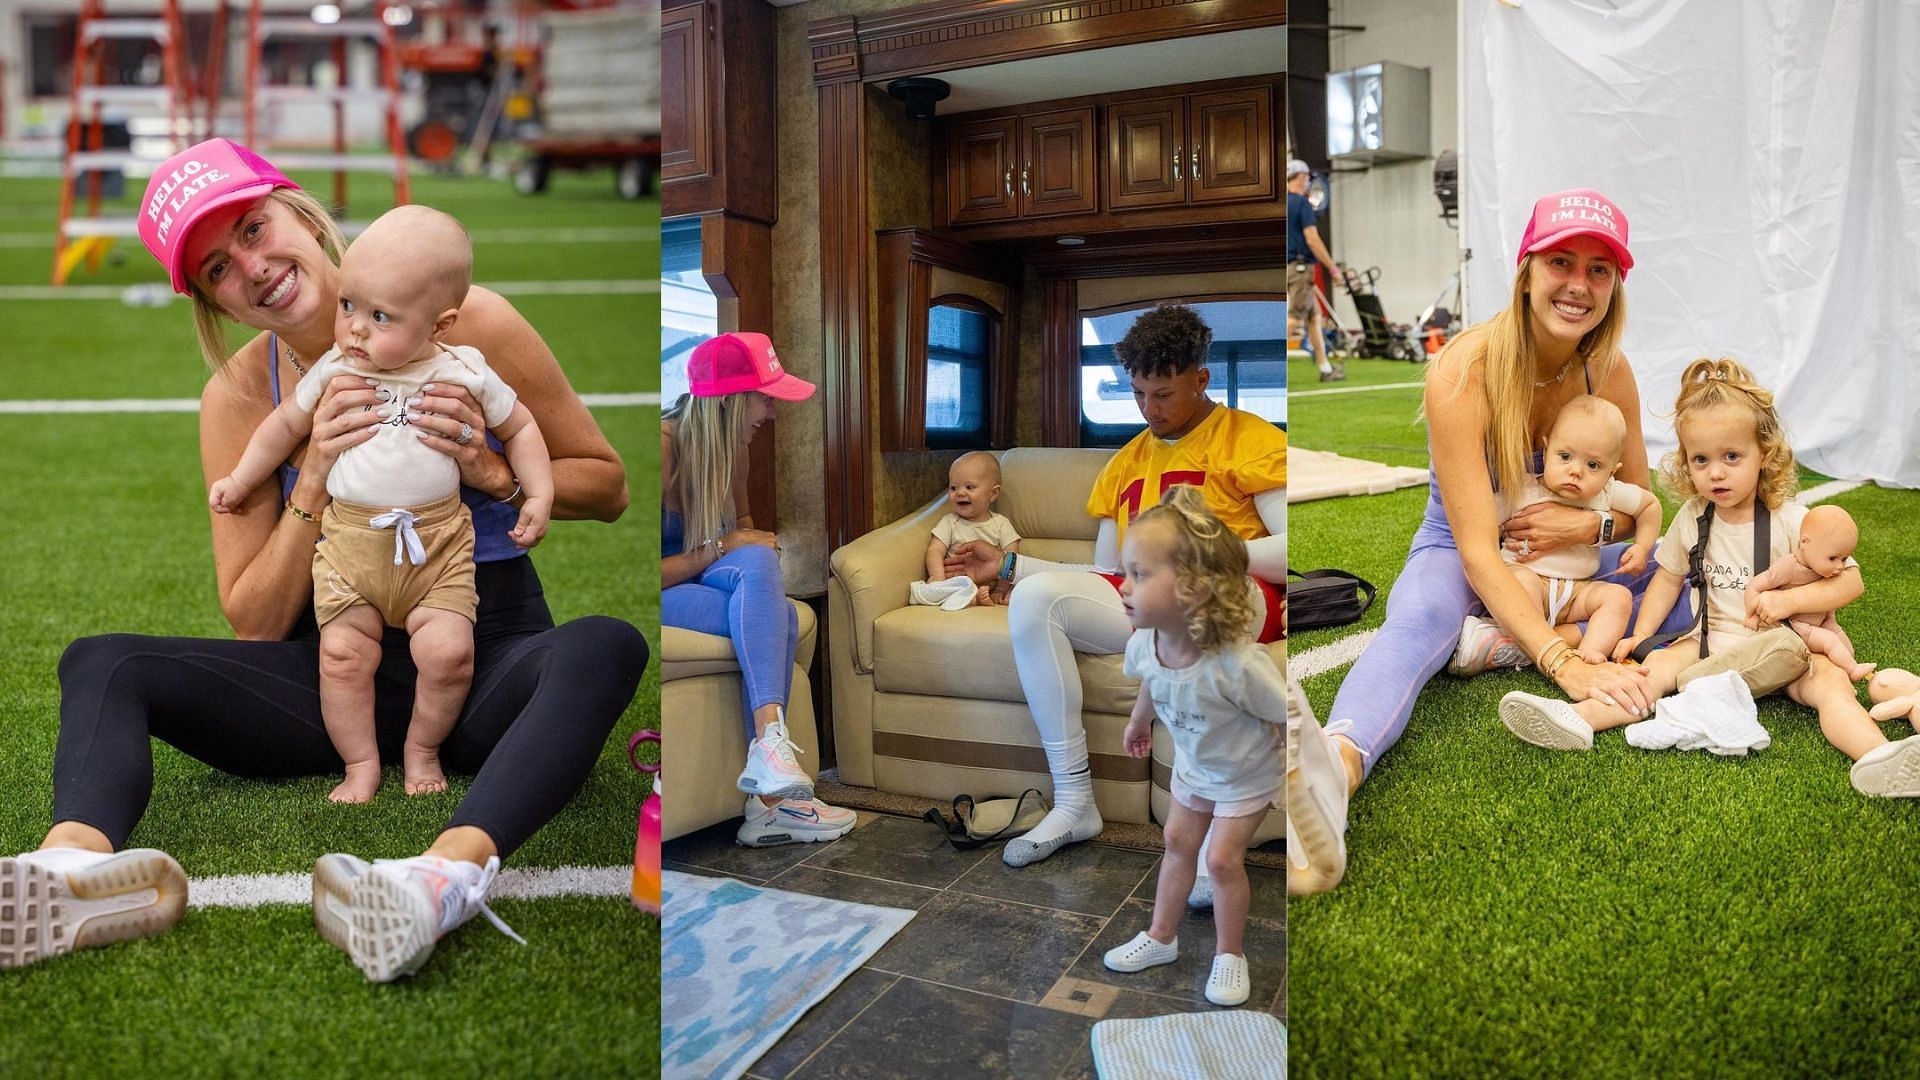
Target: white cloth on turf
x,y
1715,714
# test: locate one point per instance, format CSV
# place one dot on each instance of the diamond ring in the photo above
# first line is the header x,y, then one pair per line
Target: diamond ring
x,y
465,436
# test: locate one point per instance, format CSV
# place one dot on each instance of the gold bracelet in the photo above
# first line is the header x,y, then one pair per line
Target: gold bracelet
x,y
1561,660
299,513
1546,651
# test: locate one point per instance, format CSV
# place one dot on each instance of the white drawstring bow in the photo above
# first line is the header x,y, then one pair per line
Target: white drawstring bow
x,y
404,538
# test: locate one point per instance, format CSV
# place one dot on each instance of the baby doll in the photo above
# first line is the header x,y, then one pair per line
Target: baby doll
x,y
1895,693
1827,537
973,483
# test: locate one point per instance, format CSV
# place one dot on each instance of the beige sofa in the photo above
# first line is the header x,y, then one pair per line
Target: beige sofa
x,y
703,739
928,702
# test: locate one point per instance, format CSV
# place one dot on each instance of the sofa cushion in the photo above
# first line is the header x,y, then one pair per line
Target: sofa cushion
x,y
686,653
969,654
1044,490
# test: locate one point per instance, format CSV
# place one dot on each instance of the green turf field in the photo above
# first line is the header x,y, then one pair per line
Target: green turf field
x,y
1513,911
104,523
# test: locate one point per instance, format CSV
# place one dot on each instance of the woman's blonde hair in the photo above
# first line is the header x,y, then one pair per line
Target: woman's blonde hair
x,y
1726,383
210,321
709,434
1209,568
1508,363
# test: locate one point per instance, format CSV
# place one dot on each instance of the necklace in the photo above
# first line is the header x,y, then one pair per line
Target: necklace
x,y
1539,384
303,371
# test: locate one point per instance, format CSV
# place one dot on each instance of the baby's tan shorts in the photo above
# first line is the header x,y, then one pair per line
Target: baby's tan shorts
x,y
354,562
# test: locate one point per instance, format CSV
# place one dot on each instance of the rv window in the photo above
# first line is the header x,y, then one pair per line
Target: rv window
x,y
1248,361
689,313
959,348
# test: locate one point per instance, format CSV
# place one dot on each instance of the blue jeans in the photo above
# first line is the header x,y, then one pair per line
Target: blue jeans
x,y
1428,602
742,597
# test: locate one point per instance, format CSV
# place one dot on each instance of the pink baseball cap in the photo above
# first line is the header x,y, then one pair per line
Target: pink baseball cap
x,y
736,363
1580,212
192,184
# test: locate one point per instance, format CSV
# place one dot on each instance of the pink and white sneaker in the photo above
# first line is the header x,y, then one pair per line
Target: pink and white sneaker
x,y
793,821
56,900
771,768
399,908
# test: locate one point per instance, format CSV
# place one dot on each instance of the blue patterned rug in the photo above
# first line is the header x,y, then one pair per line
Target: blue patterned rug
x,y
741,965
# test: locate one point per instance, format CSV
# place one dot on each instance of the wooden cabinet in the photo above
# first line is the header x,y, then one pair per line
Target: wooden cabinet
x,y
1193,149
686,143
717,151
1021,167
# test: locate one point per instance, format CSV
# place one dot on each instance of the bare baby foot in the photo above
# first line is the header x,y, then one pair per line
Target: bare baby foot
x,y
421,773
363,779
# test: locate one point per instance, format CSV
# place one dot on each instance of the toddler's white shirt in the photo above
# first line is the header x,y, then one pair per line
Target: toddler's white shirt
x,y
1225,714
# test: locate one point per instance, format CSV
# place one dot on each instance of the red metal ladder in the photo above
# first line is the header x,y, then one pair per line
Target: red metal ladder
x,y
88,237
261,27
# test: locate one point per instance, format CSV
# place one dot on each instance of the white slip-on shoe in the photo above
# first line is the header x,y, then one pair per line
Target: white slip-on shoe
x,y
1316,792
333,878
56,900
1228,985
1142,953
771,768
792,821
402,907
1483,647
1545,722
1891,771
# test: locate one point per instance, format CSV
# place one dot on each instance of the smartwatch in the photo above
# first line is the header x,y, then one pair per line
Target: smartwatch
x,y
1606,526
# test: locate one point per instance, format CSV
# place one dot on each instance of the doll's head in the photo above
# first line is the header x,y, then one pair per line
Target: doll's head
x,y
1732,449
1186,572
1583,447
1827,537
973,482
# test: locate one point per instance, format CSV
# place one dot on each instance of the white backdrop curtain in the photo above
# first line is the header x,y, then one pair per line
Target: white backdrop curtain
x,y
1767,155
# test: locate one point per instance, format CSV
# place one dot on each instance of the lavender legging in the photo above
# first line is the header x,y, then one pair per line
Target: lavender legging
x,y
1425,608
742,597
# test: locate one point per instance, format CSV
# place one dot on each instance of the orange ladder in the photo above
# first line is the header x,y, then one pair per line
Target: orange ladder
x,y
261,27
88,237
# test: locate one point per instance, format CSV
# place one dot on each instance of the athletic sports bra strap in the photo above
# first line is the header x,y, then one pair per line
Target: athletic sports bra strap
x,y
273,368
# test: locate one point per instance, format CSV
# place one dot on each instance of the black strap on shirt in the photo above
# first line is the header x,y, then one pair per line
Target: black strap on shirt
x,y
1696,569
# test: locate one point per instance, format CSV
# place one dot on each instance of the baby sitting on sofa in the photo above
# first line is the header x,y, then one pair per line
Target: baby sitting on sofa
x,y
973,483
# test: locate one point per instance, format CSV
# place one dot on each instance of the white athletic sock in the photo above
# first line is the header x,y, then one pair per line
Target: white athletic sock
x,y
1073,818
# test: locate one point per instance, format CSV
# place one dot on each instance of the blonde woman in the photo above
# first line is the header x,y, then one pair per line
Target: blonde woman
x,y
1490,398
719,575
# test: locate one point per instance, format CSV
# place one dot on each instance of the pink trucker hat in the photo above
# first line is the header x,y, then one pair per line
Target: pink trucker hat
x,y
192,184
1580,212
736,363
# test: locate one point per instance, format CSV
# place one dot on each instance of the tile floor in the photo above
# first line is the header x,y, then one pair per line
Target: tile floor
x,y
1000,974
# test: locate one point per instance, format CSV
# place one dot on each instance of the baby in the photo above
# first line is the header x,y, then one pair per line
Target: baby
x,y
973,482
1583,451
396,544
1827,538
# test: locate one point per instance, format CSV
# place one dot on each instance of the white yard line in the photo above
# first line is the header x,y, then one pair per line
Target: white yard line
x,y
156,293
1292,393
254,890
1828,490
189,405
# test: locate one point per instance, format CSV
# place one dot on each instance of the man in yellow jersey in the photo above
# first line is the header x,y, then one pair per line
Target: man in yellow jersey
x,y
1237,459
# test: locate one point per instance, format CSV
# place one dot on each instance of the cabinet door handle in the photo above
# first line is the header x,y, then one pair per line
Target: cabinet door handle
x,y
1009,180
1176,164
1195,173
1024,189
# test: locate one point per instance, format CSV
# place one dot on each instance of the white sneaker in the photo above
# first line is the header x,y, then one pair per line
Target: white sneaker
x,y
1483,647
333,878
1142,953
1316,800
61,899
1228,985
792,821
771,767
400,907
1545,722
1891,771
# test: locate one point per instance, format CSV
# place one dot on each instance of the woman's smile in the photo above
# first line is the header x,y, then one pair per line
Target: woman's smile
x,y
282,289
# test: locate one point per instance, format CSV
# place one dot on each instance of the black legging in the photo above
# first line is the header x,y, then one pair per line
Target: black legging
x,y
544,699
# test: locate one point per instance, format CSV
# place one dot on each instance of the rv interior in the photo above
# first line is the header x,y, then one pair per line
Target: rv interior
x,y
944,214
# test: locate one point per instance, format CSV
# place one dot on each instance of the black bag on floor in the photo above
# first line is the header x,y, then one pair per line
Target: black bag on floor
x,y
1323,598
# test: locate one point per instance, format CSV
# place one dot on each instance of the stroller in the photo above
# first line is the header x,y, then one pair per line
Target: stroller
x,y
1378,337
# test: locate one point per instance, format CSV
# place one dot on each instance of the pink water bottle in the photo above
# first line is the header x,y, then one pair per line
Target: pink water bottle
x,y
646,848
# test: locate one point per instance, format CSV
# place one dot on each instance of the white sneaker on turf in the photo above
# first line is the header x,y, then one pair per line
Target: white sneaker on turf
x,y
1316,799
57,900
1890,771
792,821
1228,985
1142,953
400,907
333,878
1483,647
771,768
1545,722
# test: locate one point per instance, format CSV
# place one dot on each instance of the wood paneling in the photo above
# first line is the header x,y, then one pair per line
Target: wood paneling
x,y
686,143
844,237
1060,363
1232,145
1057,173
1144,141
907,259
717,110
982,158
